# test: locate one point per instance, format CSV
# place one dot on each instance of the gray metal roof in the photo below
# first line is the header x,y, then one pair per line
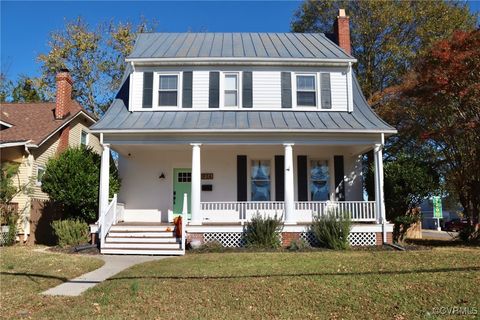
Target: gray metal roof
x,y
236,45
361,119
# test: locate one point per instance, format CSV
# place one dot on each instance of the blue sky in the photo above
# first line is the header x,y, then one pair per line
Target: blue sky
x,y
25,26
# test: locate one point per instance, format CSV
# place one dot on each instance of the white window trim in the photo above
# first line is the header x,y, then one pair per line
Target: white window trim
x,y
331,181
156,88
39,167
249,176
239,90
294,91
87,139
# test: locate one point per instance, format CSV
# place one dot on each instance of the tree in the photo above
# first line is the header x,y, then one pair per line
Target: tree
x,y
94,56
72,179
27,90
387,36
5,87
437,106
408,180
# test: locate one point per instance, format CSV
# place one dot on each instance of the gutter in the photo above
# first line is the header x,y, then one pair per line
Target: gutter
x,y
214,131
245,61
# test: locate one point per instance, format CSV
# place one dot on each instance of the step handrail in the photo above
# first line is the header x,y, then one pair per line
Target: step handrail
x,y
107,219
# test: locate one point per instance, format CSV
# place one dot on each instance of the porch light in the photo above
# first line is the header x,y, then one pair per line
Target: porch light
x,y
162,176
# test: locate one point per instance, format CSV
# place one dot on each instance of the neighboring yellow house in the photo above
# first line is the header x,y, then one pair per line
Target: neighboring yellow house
x,y
31,133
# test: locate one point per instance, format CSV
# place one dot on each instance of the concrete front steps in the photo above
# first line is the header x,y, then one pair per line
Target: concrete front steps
x,y
142,239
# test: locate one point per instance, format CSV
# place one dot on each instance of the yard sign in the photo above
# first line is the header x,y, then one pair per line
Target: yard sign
x,y
437,207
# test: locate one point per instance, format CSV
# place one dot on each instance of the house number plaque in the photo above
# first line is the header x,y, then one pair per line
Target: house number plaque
x,y
207,176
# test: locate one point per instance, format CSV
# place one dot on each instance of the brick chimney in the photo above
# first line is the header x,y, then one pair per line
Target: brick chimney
x,y
341,29
64,94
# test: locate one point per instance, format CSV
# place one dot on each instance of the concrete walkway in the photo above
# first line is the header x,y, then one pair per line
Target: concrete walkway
x,y
113,265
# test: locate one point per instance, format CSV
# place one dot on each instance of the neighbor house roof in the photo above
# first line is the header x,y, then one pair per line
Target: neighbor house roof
x,y
236,45
362,119
33,122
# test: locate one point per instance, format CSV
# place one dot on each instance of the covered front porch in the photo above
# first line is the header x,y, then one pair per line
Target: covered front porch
x,y
219,184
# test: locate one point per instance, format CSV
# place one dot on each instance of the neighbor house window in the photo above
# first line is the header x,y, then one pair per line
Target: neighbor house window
x,y
306,92
84,138
40,172
260,180
231,90
168,91
319,190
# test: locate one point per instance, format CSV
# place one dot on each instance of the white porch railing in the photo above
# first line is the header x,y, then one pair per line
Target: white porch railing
x,y
234,212
107,219
359,211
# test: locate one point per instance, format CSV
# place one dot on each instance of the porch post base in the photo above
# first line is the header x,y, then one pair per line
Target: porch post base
x,y
195,223
290,223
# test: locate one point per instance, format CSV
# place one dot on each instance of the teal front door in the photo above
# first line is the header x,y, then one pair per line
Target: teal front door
x,y
182,183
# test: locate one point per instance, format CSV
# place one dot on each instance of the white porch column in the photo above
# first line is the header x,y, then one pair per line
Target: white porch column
x,y
104,180
290,217
196,185
379,197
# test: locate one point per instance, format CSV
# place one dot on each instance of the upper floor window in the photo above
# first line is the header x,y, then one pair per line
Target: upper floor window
x,y
84,138
306,90
231,90
168,91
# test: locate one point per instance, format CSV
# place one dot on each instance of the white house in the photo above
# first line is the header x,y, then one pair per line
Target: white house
x,y
226,125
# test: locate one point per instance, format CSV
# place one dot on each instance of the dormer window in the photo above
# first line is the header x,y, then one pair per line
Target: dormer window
x,y
168,90
306,91
231,90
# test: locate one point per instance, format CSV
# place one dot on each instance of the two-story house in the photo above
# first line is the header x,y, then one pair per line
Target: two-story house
x,y
221,126
32,133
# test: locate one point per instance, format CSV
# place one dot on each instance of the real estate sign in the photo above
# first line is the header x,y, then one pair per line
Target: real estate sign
x,y
437,207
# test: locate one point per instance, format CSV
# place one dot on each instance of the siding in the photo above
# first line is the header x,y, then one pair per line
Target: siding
x,y
266,89
17,154
75,136
338,82
42,154
200,89
137,90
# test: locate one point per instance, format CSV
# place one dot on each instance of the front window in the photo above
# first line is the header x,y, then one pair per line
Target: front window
x,y
40,173
84,138
168,91
260,180
231,90
319,189
306,92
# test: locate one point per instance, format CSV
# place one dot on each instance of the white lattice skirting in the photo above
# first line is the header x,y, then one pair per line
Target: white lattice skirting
x,y
356,239
237,240
227,239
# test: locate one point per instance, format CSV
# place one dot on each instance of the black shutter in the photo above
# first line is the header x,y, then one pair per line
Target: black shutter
x,y
325,94
247,94
302,178
241,178
279,178
339,178
213,92
147,89
187,89
286,90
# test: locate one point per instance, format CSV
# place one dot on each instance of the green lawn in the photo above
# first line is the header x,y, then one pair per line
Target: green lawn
x,y
283,285
26,272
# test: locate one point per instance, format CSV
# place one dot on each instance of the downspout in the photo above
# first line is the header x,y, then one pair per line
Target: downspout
x,y
26,223
384,215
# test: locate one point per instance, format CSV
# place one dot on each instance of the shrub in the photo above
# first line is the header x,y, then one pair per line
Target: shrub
x,y
72,179
263,232
331,231
299,245
70,232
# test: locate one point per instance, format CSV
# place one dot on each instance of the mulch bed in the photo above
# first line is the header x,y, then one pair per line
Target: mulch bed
x,y
71,250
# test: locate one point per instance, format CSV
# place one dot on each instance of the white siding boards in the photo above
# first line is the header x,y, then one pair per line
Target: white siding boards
x,y
259,88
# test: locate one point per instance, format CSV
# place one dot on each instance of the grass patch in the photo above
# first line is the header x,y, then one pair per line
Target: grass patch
x,y
283,285
25,273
